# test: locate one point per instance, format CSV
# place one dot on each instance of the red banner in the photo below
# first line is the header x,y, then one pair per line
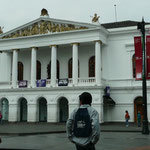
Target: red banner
x,y
148,56
138,57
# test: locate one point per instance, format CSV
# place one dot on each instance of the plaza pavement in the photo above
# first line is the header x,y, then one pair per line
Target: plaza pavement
x,y
43,136
24,128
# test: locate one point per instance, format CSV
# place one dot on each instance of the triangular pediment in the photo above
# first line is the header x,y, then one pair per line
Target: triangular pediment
x,y
46,25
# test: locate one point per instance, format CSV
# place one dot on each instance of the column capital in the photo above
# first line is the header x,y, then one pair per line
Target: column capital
x,y
75,44
99,41
56,46
16,50
34,47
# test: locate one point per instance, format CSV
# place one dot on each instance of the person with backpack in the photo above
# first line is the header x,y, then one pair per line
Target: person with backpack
x,y
83,128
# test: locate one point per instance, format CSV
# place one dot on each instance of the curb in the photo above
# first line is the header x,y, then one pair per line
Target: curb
x,y
120,131
57,132
33,133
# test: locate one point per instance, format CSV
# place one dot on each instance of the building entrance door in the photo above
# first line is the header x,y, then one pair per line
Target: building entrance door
x,y
5,108
63,109
23,110
138,107
42,110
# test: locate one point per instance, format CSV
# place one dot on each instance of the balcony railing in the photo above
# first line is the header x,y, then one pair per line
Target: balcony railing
x,y
47,83
86,81
81,82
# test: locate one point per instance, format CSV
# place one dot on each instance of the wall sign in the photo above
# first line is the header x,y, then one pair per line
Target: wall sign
x,y
23,84
63,82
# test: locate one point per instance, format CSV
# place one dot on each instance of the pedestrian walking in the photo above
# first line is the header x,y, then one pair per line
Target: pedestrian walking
x,y
0,117
127,118
139,118
83,128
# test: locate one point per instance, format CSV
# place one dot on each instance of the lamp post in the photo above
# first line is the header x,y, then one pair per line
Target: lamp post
x,y
145,129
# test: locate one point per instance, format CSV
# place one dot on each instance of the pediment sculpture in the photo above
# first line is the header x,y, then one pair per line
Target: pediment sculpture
x,y
43,27
95,18
1,30
44,12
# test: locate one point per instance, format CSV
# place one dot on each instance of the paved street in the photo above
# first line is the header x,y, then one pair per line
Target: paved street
x,y
108,141
52,136
24,128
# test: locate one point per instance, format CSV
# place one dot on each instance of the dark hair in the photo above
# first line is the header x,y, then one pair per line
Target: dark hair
x,y
85,98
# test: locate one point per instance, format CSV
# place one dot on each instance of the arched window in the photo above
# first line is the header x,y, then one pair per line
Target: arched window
x,y
133,66
92,66
20,71
49,70
38,70
70,68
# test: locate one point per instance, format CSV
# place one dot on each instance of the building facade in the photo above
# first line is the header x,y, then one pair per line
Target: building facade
x,y
47,63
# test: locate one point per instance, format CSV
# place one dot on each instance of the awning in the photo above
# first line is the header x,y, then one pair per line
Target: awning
x,y
107,100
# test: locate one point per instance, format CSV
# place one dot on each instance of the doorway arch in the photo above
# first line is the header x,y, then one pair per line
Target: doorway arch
x,y
4,109
23,109
42,109
63,109
138,107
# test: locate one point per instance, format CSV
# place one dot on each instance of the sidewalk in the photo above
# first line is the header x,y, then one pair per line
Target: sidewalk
x,y
23,128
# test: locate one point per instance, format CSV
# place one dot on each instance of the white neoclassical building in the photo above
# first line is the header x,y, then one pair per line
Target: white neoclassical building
x,y
47,63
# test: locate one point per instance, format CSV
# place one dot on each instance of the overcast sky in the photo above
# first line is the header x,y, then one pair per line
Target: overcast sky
x,y
14,13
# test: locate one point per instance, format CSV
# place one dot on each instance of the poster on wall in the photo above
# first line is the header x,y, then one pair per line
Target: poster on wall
x,y
41,83
138,57
63,82
148,55
23,84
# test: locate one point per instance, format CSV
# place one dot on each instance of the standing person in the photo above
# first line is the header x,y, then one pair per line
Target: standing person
x,y
83,128
0,117
127,117
139,118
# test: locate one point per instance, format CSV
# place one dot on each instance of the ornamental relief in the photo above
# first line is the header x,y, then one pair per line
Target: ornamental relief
x,y
43,27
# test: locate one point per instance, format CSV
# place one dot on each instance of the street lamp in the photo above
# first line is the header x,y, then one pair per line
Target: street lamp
x,y
145,129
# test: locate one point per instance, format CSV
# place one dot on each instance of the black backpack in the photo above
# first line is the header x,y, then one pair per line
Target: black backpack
x,y
82,124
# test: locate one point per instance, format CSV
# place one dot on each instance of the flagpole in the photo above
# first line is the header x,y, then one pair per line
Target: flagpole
x,y
115,12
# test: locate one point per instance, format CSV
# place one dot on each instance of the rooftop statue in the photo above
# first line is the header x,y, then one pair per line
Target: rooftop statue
x,y
44,12
95,18
1,31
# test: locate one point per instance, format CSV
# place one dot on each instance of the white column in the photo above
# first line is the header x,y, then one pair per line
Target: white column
x,y
72,106
52,113
15,69
75,63
1,69
98,65
33,66
53,65
13,112
32,112
99,108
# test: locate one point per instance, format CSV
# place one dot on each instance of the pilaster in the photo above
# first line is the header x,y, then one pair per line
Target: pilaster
x,y
33,66
75,63
53,65
15,68
98,64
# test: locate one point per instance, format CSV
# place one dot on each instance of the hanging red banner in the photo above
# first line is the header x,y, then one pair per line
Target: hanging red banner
x,y
148,56
138,57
